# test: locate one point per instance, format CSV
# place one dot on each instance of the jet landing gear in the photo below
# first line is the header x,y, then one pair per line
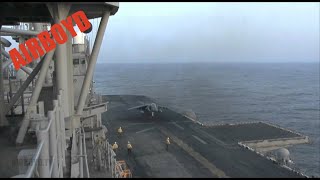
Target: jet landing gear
x,y
150,115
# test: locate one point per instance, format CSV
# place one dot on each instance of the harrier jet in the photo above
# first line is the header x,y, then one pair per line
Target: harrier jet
x,y
148,108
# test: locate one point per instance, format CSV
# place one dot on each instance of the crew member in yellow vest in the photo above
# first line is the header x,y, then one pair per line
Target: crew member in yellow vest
x,y
167,143
129,146
115,146
120,131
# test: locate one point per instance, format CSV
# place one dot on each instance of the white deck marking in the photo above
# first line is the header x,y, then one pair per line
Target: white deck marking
x,y
190,118
202,141
145,130
211,167
180,122
178,125
133,124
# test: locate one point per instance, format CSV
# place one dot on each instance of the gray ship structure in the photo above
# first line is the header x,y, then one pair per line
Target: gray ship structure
x,y
54,124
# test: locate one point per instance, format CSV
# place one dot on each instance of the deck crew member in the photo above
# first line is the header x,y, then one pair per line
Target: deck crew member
x,y
120,131
167,143
115,146
129,147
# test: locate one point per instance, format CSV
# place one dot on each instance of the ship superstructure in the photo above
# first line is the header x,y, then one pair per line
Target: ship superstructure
x,y
49,106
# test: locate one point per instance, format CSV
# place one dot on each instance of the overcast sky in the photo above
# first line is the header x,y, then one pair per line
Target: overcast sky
x,y
212,32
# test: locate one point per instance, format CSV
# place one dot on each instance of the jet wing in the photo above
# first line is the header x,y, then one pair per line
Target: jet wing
x,y
161,108
141,107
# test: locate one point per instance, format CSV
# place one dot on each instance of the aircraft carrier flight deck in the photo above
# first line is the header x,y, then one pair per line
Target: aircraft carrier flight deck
x,y
196,150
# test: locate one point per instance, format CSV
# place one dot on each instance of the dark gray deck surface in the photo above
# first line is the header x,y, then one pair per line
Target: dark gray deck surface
x,y
248,132
196,151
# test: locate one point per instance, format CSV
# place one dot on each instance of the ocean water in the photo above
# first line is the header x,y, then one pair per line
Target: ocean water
x,y
286,94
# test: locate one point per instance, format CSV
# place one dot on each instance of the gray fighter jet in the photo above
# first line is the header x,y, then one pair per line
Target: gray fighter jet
x,y
148,108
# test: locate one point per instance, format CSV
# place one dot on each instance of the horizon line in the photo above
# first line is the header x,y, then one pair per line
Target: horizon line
x,y
201,62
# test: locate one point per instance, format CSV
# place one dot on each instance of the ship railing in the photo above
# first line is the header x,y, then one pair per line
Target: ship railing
x,y
242,144
23,102
119,169
12,87
49,159
79,154
84,150
15,84
111,157
122,171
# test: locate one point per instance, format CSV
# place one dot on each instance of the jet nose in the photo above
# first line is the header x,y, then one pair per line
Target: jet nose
x,y
154,107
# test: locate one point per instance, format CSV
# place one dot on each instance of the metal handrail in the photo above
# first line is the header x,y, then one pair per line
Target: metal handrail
x,y
36,157
44,143
85,152
94,106
51,166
